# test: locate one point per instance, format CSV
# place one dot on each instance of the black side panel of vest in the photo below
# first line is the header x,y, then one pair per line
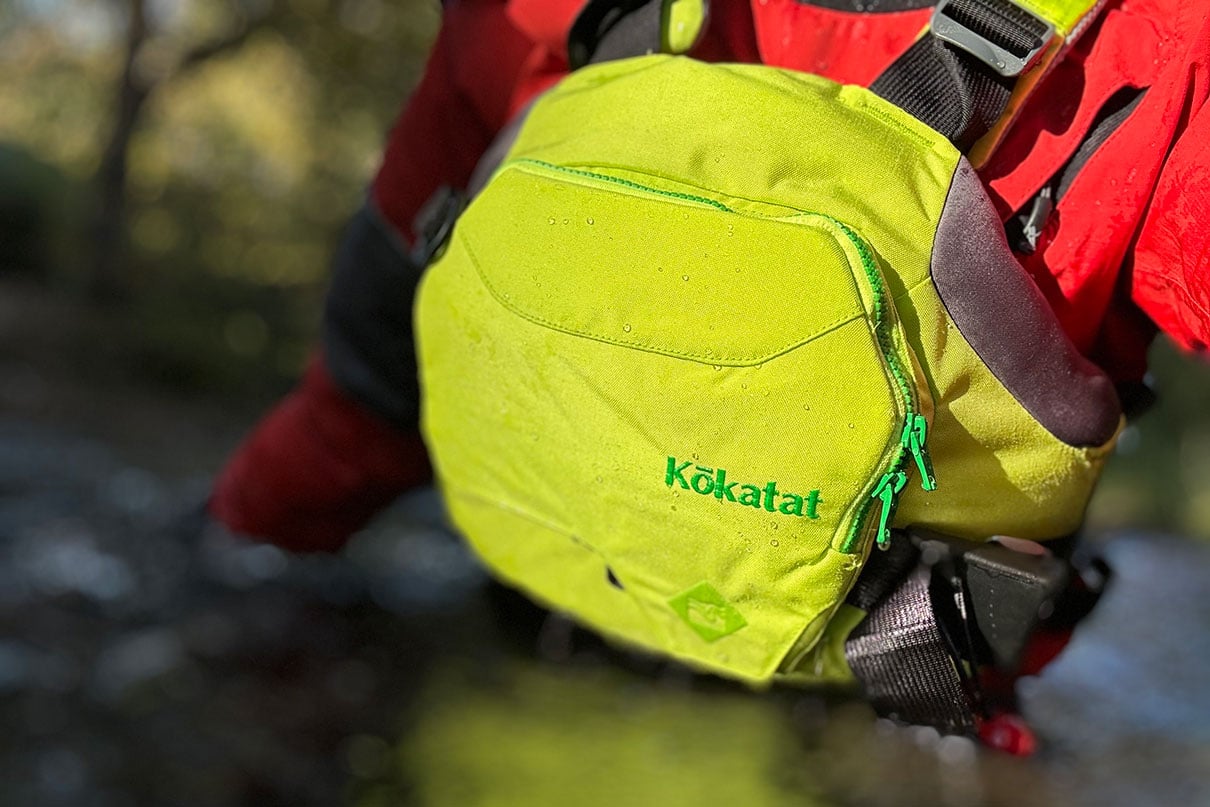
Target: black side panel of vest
x,y
367,329
614,29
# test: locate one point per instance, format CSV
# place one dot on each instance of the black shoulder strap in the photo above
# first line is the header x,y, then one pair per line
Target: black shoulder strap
x,y
958,78
964,77
614,29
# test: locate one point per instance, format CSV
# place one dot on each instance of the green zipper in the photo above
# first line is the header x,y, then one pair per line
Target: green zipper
x,y
887,492
915,428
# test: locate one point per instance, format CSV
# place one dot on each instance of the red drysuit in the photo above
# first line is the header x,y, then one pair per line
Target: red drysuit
x,y
1117,138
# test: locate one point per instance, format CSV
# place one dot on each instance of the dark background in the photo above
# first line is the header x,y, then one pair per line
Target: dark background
x,y
173,174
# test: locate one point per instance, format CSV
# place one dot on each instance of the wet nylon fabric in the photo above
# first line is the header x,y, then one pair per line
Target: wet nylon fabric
x,y
1160,44
1025,482
1129,237
623,294
639,346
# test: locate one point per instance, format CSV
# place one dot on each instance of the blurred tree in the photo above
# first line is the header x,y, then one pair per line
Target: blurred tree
x,y
137,81
163,43
225,142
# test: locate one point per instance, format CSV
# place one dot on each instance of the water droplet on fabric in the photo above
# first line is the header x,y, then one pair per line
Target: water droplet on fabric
x,y
685,277
718,367
852,425
590,220
626,327
807,407
775,542
550,220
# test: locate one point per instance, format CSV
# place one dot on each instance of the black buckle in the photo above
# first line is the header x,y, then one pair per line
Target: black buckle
x,y
434,223
1003,594
953,22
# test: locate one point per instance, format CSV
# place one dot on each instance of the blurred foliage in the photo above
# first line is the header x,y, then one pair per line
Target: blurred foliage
x,y
262,126
1159,477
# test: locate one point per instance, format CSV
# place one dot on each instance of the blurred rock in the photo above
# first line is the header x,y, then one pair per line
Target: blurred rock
x,y
135,659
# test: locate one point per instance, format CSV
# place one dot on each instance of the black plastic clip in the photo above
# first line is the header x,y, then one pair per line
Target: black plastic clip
x,y
434,223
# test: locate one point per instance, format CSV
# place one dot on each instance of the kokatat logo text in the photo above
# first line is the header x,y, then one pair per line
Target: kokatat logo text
x,y
713,482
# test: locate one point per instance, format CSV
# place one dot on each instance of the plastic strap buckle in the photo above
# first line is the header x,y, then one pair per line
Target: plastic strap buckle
x,y
955,21
434,223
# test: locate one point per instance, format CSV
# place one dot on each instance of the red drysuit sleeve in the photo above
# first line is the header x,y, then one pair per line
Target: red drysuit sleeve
x,y
1171,280
481,70
316,469
325,460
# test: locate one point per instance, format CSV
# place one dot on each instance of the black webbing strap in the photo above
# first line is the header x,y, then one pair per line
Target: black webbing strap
x,y
940,609
901,658
883,572
951,91
614,29
959,77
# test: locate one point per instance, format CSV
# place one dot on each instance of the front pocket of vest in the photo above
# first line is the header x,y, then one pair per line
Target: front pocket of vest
x,y
705,401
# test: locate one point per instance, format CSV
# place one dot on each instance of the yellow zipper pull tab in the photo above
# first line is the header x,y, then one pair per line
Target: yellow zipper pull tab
x,y
915,432
887,490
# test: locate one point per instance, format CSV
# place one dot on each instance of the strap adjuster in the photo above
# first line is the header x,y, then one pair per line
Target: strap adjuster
x,y
1001,34
434,223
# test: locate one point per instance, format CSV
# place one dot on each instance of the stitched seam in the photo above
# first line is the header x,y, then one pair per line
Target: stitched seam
x,y
731,361
625,183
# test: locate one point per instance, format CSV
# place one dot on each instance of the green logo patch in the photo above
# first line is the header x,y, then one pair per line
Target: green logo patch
x,y
707,612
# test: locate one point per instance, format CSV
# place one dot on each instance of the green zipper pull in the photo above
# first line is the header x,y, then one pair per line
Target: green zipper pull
x,y
915,432
887,491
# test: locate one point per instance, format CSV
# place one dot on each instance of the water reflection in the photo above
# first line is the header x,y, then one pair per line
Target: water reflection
x,y
144,660
527,734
